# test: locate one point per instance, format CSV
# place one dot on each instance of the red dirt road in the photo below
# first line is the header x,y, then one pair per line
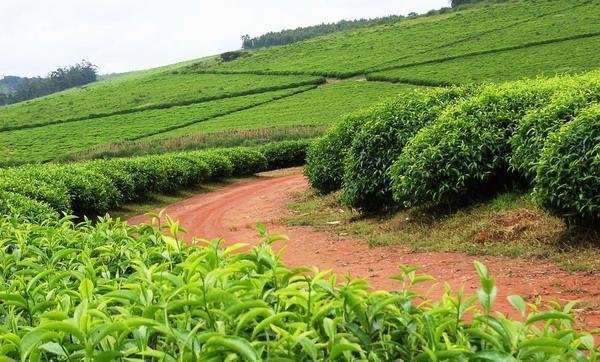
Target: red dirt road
x,y
231,213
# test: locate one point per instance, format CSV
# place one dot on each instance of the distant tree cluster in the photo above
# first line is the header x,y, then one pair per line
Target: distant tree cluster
x,y
56,81
293,35
456,3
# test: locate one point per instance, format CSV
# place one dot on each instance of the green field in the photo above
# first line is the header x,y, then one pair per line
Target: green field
x,y
53,141
570,56
321,106
138,92
488,27
484,43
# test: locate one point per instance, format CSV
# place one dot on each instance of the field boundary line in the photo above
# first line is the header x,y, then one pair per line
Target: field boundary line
x,y
488,51
166,105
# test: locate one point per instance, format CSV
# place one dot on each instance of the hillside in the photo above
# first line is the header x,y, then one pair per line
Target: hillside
x,y
282,86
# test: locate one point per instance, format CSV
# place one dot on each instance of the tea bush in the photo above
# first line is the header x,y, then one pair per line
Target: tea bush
x,y
567,178
93,188
23,208
466,150
532,132
285,154
109,291
325,156
377,144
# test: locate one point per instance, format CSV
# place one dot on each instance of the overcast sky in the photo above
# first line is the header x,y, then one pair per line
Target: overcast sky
x,y
37,36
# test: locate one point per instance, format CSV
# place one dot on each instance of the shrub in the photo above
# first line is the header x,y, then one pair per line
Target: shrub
x,y
22,207
219,165
532,132
33,182
246,161
466,150
285,154
325,156
567,181
118,176
90,192
378,143
108,291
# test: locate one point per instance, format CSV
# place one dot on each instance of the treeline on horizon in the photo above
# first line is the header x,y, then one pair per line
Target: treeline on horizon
x,y
22,89
289,36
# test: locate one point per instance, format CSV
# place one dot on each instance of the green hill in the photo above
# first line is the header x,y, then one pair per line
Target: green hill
x,y
280,87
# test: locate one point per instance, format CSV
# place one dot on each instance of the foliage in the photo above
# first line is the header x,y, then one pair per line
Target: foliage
x,y
112,291
55,141
325,156
57,80
565,55
23,208
532,132
93,188
378,142
138,92
289,36
466,150
321,106
567,178
285,154
411,41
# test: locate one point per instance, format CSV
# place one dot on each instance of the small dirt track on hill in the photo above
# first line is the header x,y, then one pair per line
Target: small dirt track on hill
x,y
231,213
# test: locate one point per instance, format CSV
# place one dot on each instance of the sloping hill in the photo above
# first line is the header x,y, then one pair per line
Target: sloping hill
x,y
279,87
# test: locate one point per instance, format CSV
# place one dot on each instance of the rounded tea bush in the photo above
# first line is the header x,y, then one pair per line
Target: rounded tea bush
x,y
246,161
22,207
567,181
465,151
285,154
325,156
532,132
366,184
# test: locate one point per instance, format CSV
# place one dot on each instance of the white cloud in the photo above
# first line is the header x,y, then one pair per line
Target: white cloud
x,y
120,35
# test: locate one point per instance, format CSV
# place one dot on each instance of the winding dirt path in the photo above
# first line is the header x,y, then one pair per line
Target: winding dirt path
x,y
231,213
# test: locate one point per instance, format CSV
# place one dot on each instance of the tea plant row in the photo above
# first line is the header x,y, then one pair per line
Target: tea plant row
x,y
43,192
454,145
109,291
139,92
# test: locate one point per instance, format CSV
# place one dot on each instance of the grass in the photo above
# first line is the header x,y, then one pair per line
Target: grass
x,y
137,92
508,225
570,56
354,52
321,106
53,141
228,138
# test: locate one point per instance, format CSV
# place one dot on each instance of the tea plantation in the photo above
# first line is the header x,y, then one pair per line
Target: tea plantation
x,y
433,112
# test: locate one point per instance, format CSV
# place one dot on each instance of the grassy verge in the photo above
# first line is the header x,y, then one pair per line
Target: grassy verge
x,y
508,225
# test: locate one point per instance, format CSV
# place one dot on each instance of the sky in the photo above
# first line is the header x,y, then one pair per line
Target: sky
x,y
37,36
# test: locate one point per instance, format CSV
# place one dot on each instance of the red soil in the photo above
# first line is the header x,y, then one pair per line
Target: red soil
x,y
231,213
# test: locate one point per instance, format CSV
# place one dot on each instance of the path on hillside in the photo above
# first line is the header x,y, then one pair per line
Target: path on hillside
x,y
231,213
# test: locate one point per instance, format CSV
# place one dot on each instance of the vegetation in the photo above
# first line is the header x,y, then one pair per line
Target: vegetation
x,y
60,79
424,150
347,53
93,188
133,292
134,93
568,56
567,179
320,106
54,141
303,33
219,139
379,141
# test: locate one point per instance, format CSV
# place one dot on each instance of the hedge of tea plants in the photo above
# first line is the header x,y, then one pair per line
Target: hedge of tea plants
x,y
95,187
444,147
379,141
108,291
